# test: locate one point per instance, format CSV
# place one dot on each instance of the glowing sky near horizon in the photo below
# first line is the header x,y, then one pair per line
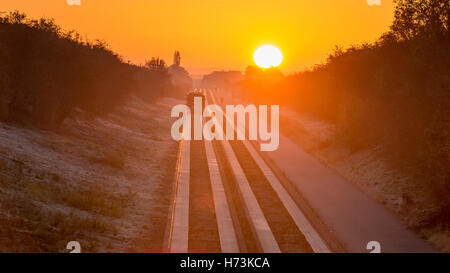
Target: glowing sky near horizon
x,y
218,35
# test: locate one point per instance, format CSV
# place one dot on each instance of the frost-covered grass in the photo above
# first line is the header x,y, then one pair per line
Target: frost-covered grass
x,y
412,199
102,182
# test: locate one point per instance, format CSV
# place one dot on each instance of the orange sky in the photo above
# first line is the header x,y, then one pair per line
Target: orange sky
x,y
218,35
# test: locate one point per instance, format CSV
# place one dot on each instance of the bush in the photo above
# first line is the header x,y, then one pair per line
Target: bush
x,y
394,93
46,72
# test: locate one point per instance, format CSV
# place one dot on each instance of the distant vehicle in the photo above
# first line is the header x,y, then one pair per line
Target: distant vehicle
x,y
190,99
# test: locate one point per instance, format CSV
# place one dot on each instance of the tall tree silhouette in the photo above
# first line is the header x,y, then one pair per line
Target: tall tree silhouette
x,y
414,17
156,64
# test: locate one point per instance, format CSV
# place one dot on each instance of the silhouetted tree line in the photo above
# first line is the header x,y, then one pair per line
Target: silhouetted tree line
x,y
45,73
222,79
394,93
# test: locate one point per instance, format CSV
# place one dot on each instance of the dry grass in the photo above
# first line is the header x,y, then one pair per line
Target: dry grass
x,y
111,159
411,199
42,216
79,184
92,199
440,237
30,227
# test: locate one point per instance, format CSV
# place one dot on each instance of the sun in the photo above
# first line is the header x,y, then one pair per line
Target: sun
x,y
268,56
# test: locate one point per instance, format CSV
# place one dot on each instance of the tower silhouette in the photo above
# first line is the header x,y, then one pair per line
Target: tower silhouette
x,y
177,58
